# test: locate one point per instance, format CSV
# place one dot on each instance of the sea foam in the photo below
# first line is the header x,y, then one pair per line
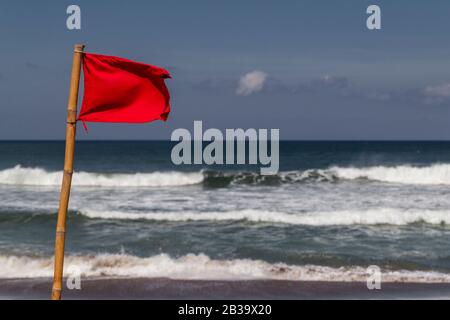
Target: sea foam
x,y
200,267
436,174
379,216
40,177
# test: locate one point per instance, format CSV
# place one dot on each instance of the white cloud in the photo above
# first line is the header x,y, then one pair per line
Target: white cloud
x,y
440,91
251,82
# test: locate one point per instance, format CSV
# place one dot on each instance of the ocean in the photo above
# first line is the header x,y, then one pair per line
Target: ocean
x,y
334,209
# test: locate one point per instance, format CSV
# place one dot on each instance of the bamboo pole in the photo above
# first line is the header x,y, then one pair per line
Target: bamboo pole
x,y
68,171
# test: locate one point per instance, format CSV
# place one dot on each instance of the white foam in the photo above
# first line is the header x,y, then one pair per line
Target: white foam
x,y
389,216
199,267
434,174
40,177
437,174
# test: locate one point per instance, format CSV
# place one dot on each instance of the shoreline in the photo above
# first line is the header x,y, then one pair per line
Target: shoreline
x,y
163,288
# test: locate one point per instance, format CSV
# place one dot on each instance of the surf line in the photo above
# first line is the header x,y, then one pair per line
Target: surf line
x,y
213,152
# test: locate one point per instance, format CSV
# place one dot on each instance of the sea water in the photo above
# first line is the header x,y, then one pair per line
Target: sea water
x,y
334,209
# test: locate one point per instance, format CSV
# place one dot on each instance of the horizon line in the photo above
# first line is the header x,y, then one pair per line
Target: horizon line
x,y
281,140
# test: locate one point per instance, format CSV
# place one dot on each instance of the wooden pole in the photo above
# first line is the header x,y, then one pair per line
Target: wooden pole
x,y
68,170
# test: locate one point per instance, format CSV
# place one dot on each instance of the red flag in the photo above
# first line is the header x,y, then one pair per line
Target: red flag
x,y
121,90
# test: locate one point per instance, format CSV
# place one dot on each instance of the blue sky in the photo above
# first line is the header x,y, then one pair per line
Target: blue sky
x,y
326,75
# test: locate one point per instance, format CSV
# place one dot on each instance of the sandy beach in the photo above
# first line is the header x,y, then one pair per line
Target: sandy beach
x,y
193,289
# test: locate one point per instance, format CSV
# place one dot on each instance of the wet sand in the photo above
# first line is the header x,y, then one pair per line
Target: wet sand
x,y
195,289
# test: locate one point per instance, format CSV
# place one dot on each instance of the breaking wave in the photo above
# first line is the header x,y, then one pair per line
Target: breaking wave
x,y
381,216
199,267
370,217
437,174
434,174
40,177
